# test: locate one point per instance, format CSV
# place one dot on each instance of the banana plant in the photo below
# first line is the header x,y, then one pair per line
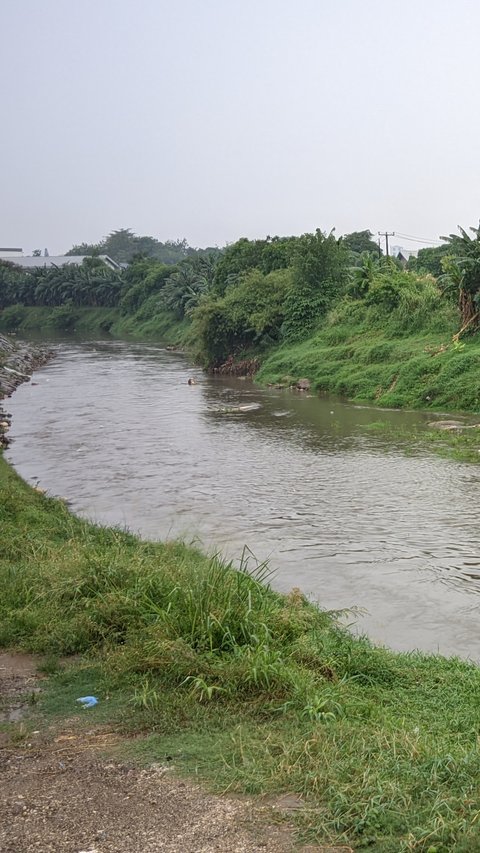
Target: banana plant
x,y
462,272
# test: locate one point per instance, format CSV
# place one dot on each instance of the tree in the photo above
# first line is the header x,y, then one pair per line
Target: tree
x,y
123,245
363,275
320,274
251,314
267,255
188,285
462,272
359,242
430,260
92,249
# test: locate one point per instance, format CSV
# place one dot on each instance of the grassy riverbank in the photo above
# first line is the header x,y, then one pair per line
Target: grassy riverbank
x,y
91,321
313,306
384,358
252,690
392,357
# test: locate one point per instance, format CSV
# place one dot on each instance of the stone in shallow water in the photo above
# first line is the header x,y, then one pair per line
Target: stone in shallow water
x,y
303,385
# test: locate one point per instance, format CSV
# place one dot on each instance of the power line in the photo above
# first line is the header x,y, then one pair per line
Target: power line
x,y
419,239
386,234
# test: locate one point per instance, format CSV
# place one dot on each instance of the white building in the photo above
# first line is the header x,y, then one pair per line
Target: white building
x,y
32,262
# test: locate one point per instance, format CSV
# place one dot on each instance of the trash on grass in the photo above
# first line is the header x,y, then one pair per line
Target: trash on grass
x,y
88,701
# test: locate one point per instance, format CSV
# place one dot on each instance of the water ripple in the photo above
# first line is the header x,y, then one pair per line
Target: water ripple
x,y
352,517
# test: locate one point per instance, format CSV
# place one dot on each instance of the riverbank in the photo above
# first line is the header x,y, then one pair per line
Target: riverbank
x,y
251,690
360,353
356,355
370,358
91,321
17,363
137,809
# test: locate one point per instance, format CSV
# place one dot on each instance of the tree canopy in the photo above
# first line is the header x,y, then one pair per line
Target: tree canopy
x,y
360,242
123,244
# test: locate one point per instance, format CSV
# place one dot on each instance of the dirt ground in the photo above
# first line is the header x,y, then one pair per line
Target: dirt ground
x,y
59,794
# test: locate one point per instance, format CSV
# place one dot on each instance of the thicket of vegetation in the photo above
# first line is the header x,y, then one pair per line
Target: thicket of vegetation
x,y
260,691
291,300
123,245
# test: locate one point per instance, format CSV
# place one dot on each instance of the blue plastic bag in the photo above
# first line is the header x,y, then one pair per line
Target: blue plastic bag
x,y
88,701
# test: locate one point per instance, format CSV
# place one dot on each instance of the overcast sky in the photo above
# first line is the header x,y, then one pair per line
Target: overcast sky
x,y
216,119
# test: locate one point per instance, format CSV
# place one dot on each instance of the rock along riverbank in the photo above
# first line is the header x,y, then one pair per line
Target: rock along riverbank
x,y
18,360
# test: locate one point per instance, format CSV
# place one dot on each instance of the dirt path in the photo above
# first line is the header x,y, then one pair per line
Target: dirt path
x,y
59,795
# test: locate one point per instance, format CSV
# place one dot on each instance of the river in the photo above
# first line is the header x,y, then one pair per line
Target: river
x,y
358,519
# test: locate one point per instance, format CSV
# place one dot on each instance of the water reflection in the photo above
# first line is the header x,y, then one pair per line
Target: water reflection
x,y
352,515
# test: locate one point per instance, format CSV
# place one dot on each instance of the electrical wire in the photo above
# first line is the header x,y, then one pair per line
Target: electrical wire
x,y
419,239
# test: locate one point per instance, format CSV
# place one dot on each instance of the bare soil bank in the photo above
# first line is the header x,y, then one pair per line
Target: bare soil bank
x,y
60,794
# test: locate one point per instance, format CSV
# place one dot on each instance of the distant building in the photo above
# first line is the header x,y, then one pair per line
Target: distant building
x,y
31,262
403,255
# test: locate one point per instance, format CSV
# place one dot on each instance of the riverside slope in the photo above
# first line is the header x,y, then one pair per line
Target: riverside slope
x,y
17,363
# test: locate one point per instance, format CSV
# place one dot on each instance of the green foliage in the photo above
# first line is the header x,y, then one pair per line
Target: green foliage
x,y
9,281
360,242
142,278
262,295
462,271
429,260
303,310
320,274
251,314
92,284
320,263
63,318
387,289
266,290
12,317
188,286
363,275
214,333
123,245
267,255
393,348
92,249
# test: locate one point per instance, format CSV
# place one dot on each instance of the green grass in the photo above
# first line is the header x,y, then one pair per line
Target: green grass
x,y
251,690
390,358
161,326
462,445
85,321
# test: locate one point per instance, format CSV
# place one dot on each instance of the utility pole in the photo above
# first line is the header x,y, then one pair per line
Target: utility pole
x,y
386,234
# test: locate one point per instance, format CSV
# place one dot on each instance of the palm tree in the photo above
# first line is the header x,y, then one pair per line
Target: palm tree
x,y
187,286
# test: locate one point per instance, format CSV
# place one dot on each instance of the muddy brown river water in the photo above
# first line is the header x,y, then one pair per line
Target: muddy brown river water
x,y
355,517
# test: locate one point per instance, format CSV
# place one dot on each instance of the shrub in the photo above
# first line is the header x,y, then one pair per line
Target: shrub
x,y
63,318
12,317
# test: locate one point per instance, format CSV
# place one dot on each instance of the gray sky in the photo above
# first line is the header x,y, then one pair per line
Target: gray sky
x,y
216,119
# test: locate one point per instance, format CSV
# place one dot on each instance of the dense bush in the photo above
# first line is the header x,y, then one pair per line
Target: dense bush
x,y
141,279
273,253
320,275
13,316
251,314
